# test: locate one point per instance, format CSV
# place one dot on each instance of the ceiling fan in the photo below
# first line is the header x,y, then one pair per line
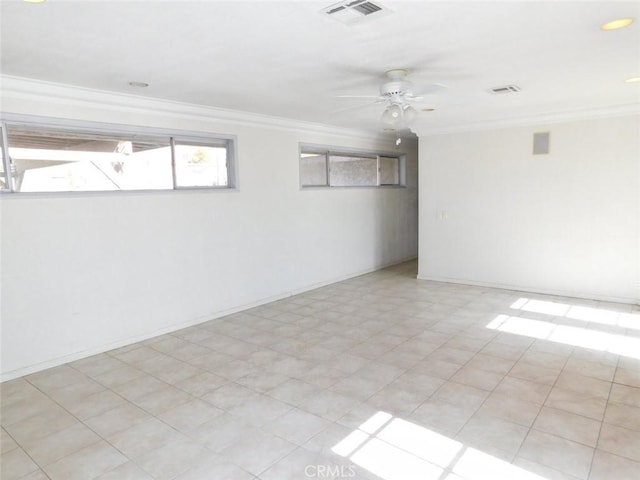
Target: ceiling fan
x,y
398,93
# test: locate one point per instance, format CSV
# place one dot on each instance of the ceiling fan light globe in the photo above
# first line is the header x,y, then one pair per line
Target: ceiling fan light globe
x,y
392,115
410,114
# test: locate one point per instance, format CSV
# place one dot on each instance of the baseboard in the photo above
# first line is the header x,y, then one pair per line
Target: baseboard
x,y
20,372
528,289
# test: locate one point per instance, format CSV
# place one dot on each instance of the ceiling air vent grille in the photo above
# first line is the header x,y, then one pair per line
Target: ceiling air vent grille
x,y
504,89
351,11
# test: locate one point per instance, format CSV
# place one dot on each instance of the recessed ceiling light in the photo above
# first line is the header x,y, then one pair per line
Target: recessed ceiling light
x,y
616,24
138,84
633,80
35,1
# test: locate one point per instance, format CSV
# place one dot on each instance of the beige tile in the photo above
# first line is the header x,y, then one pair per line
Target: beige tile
x,y
53,447
146,436
116,420
477,378
229,396
40,425
162,400
328,404
260,410
96,365
72,394
442,417
500,350
558,453
139,387
523,389
95,404
297,426
568,425
37,475
188,416
620,441
358,387
590,369
172,459
491,363
201,384
437,368
623,415
544,359
544,472
15,464
493,435
7,443
534,373
627,376
119,376
259,452
214,468
16,390
323,442
87,463
294,391
450,355
55,378
510,408
222,431
262,381
625,395
126,471
394,399
607,467
463,396
301,464
579,403
21,409
584,384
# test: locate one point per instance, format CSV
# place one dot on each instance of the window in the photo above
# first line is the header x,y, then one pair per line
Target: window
x,y
352,171
322,167
201,165
44,159
4,161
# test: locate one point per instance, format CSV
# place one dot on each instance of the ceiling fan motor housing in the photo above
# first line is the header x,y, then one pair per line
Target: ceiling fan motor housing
x,y
394,88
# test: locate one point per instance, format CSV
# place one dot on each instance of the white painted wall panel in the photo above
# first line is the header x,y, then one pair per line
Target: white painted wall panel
x,y
492,213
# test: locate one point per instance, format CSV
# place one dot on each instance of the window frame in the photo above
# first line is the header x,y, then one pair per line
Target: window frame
x,y
329,151
170,136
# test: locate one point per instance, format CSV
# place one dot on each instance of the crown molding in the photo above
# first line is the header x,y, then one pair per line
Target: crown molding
x,y
538,119
26,89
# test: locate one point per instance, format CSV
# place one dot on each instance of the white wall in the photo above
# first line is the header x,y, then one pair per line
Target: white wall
x,y
565,223
85,272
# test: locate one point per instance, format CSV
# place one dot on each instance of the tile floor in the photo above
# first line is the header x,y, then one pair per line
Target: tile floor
x,y
378,377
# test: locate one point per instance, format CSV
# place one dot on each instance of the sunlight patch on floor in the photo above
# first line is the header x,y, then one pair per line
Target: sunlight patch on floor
x,y
568,335
579,312
396,449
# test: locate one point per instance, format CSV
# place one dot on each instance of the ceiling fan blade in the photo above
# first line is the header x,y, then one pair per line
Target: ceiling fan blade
x,y
356,107
421,90
359,96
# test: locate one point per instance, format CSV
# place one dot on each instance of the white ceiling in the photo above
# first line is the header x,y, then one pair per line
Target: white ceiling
x,y
287,59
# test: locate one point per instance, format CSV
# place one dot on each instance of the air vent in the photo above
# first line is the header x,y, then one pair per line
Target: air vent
x,y
505,89
351,11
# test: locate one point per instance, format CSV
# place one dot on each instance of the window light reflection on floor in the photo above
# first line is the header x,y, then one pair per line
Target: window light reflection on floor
x,y
579,312
395,449
575,336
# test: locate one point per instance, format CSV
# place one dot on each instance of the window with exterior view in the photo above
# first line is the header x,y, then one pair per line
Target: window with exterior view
x,y
70,160
201,166
327,168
